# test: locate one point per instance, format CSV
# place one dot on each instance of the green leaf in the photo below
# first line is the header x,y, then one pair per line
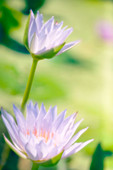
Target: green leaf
x,y
98,158
49,53
25,39
34,4
13,18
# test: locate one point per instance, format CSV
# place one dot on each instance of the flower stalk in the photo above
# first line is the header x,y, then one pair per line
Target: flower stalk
x,y
35,166
29,83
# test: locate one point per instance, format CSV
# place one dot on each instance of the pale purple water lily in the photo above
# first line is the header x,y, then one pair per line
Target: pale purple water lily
x,y
43,135
105,30
44,37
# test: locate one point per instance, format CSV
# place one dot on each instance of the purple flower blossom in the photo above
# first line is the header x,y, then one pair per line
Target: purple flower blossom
x,y
44,37
105,30
42,135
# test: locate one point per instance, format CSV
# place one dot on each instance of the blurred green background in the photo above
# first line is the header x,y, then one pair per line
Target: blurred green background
x,y
79,80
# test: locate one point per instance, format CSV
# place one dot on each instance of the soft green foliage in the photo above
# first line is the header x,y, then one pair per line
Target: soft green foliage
x,y
33,4
98,158
13,18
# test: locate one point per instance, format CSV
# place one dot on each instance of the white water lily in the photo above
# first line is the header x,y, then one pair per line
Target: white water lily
x,y
46,38
43,136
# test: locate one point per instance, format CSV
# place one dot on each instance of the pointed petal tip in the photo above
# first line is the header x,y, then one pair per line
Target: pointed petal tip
x,y
14,108
91,140
30,103
31,12
81,120
39,14
77,41
88,141
75,114
74,42
87,128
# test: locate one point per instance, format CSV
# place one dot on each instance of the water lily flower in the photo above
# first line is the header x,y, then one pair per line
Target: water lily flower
x,y
45,40
105,30
43,137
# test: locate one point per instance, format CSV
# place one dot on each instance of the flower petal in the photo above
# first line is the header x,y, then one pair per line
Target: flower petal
x,y
34,43
59,120
75,148
14,148
75,137
68,46
20,118
48,26
39,21
32,28
12,129
64,35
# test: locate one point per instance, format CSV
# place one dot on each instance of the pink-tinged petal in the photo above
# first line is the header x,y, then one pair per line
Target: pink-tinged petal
x,y
68,46
75,148
75,137
14,148
39,21
57,26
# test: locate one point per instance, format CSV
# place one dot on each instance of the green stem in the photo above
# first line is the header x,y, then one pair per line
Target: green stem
x,y
29,83
35,166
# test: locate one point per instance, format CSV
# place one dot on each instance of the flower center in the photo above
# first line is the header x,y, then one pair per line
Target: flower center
x,y
42,133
